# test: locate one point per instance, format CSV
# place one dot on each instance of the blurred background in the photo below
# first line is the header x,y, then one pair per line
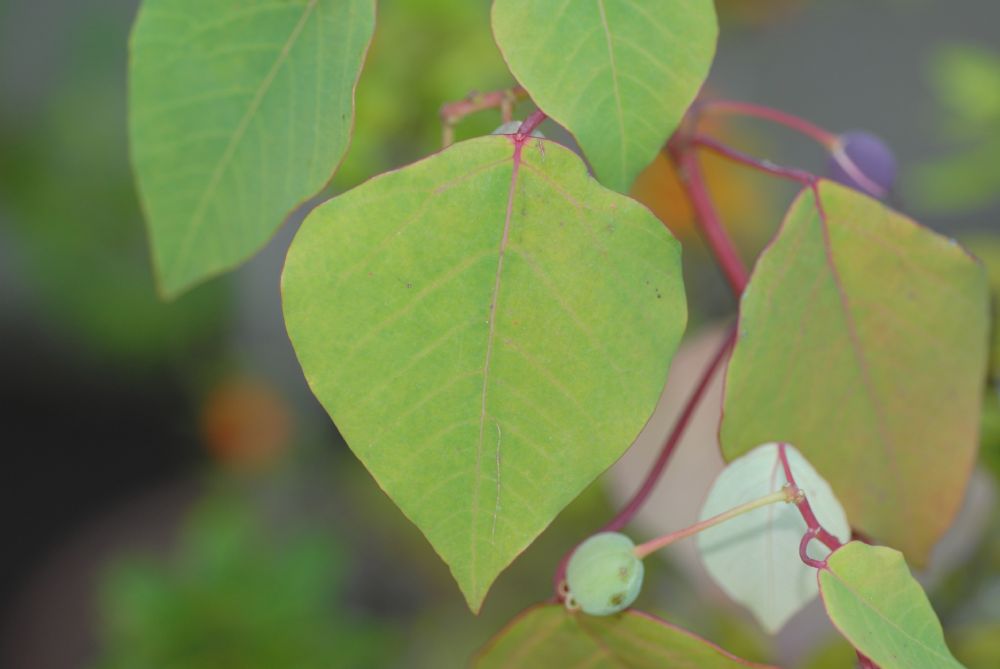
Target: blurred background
x,y
172,495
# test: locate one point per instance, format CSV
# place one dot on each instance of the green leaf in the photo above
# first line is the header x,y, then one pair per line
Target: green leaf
x,y
875,603
755,557
863,342
238,112
489,332
547,636
618,74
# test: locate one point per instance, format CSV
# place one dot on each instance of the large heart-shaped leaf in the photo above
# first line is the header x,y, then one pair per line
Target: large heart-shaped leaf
x,y
238,111
619,74
755,557
863,342
489,329
876,604
546,636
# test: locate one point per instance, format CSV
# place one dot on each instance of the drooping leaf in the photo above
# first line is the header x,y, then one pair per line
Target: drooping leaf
x,y
876,604
619,74
489,333
755,557
238,112
863,342
547,636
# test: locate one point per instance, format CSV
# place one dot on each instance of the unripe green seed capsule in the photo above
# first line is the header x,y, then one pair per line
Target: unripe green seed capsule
x,y
604,576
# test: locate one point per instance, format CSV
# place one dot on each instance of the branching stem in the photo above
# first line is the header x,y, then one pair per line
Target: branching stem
x,y
815,531
452,113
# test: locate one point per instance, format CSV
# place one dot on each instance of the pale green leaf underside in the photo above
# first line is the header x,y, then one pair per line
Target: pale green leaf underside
x,y
755,557
238,112
863,342
482,422
876,604
546,636
619,74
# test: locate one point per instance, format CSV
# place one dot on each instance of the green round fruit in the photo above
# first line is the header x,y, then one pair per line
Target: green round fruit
x,y
604,576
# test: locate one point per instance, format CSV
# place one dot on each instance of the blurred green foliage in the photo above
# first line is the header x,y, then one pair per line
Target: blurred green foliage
x,y
238,594
977,647
966,81
425,53
66,185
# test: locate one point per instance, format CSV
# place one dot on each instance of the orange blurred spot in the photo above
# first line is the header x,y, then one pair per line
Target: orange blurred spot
x,y
245,424
659,187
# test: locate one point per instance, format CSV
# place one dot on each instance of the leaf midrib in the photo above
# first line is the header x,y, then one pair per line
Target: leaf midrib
x,y
488,358
614,81
854,337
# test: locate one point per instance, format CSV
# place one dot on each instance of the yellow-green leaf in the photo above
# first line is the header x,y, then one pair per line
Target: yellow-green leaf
x,y
489,331
863,341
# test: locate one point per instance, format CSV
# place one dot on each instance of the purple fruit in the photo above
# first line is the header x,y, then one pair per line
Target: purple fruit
x,y
874,165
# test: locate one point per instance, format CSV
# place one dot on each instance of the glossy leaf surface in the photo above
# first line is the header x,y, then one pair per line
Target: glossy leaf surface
x,y
755,557
488,333
238,112
863,341
619,74
877,605
547,636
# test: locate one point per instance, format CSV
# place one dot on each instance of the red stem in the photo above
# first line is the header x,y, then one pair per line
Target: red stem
x,y
669,446
800,125
807,179
453,112
680,427
529,124
711,228
816,531
765,166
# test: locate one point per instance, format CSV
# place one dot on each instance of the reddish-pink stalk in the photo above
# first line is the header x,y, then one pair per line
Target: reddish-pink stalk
x,y
765,166
453,112
733,107
711,228
830,141
680,427
816,531
528,125
807,179
659,466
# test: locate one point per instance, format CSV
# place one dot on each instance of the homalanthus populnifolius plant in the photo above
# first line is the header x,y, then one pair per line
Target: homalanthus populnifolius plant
x,y
491,326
